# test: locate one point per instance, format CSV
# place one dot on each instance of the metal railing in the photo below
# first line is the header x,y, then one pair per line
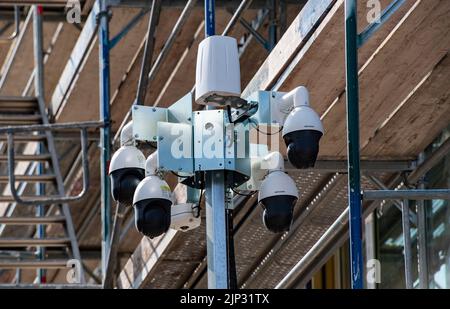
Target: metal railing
x,y
82,126
16,32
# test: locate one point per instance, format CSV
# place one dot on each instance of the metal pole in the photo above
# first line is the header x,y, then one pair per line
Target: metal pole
x,y
416,195
39,90
242,7
40,212
108,282
173,35
407,244
422,243
430,162
272,24
354,173
216,231
105,132
210,18
422,234
39,78
215,195
397,204
148,52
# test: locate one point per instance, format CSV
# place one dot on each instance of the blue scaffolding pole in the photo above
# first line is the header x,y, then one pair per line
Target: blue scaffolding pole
x,y
354,173
353,41
105,132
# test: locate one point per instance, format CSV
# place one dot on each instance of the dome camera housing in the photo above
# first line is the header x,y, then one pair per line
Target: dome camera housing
x,y
126,171
302,130
152,203
278,195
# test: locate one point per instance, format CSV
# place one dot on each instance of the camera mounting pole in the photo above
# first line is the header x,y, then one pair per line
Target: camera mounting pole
x,y
217,232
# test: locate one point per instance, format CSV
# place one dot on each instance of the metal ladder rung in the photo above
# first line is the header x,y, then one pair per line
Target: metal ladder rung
x,y
31,220
41,242
10,199
25,138
11,104
29,178
17,119
18,107
15,99
23,157
33,264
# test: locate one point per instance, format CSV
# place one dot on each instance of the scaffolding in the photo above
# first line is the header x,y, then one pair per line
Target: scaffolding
x,y
220,261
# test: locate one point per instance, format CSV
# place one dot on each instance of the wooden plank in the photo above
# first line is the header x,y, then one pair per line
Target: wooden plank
x,y
420,119
23,63
74,64
5,46
320,65
395,69
181,44
182,77
63,43
81,102
289,44
126,92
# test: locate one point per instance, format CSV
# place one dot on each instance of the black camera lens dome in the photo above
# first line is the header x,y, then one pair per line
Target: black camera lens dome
x,y
278,212
303,147
124,182
152,216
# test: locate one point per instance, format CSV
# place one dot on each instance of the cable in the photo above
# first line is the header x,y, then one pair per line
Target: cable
x,y
242,194
178,175
229,114
265,133
198,206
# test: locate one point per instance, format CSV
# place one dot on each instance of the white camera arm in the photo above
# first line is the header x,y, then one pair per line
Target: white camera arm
x,y
284,104
151,164
272,162
126,135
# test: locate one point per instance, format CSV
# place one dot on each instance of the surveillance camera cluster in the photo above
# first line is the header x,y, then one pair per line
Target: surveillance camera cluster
x,y
136,181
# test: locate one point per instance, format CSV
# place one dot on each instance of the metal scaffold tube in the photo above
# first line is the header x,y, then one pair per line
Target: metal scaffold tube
x,y
148,52
354,173
422,232
39,87
105,132
407,244
431,194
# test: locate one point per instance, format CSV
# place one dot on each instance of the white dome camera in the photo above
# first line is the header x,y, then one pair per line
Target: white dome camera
x,y
152,202
126,169
278,195
302,128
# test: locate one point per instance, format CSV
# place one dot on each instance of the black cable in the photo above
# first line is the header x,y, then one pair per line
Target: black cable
x,y
265,133
199,205
229,114
239,193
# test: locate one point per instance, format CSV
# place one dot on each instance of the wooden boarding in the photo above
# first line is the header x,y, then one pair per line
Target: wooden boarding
x,y
422,116
82,100
126,91
391,75
22,65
